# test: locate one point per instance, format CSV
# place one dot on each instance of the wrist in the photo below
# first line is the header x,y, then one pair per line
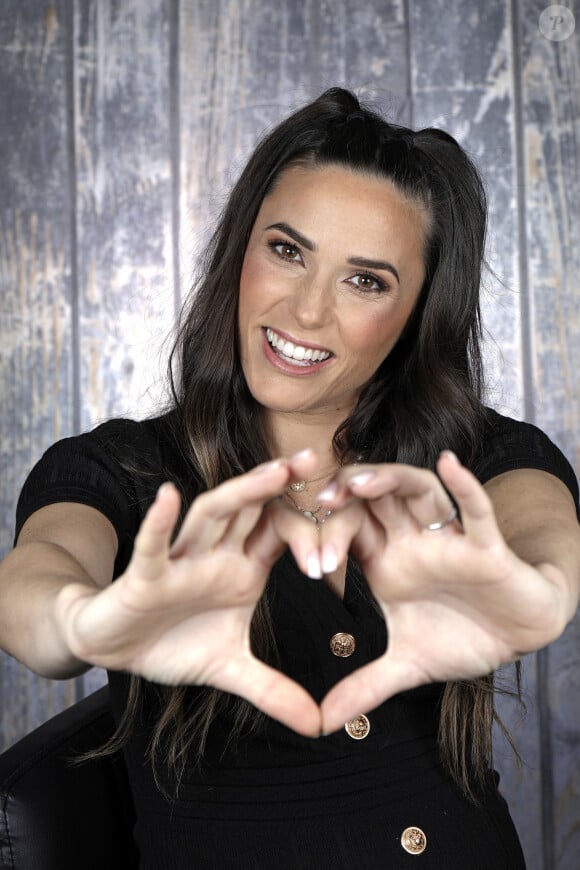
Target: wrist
x,y
565,592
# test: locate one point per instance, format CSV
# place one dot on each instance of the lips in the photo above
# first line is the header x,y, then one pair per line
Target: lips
x,y
294,353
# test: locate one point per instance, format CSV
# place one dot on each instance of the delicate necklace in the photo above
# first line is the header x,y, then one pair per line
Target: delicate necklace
x,y
300,485
318,516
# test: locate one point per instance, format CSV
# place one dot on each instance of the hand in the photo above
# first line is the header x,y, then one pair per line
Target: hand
x,y
457,601
181,613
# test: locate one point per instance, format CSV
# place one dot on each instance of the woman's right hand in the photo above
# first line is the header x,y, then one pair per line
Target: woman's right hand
x,y
181,612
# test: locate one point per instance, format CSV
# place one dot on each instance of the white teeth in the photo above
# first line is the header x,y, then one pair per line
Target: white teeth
x,y
295,351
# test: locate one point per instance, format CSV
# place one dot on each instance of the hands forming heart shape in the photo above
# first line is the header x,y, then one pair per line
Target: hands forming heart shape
x,y
458,602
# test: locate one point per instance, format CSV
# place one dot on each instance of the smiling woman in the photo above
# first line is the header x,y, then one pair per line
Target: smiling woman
x,y
307,289
314,692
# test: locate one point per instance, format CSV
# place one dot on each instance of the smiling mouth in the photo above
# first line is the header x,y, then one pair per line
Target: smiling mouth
x,y
295,354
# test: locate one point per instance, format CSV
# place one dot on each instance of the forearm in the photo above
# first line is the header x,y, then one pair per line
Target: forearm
x,y
31,579
558,564
537,517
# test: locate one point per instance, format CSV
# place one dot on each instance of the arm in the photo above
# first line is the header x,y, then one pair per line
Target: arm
x,y
180,614
537,517
461,600
58,545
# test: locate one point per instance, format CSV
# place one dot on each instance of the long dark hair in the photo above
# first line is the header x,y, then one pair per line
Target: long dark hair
x,y
426,396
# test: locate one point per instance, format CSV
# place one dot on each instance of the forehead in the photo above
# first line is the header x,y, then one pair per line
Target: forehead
x,y
333,198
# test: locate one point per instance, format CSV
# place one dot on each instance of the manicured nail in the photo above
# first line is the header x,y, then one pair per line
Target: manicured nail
x,y
362,478
313,566
163,489
329,559
302,454
328,493
267,466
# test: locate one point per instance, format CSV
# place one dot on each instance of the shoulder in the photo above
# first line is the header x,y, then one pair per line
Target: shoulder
x,y
115,468
508,444
115,441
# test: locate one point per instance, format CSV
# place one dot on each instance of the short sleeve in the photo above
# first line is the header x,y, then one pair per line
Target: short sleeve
x,y
93,469
511,444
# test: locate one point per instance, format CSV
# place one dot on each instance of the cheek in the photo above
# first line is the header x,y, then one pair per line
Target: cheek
x,y
377,333
255,287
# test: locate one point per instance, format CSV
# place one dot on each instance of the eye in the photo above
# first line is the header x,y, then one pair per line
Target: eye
x,y
368,283
286,250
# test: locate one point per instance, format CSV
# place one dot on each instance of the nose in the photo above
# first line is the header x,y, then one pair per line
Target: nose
x,y
311,302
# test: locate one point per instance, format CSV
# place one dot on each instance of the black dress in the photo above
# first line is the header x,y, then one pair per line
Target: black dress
x,y
374,794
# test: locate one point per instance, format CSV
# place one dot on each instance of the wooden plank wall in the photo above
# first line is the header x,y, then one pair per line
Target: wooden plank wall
x,y
123,122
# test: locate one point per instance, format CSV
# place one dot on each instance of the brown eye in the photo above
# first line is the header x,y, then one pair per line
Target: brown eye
x,y
286,250
370,283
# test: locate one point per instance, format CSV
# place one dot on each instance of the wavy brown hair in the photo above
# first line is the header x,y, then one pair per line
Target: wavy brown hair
x,y
426,396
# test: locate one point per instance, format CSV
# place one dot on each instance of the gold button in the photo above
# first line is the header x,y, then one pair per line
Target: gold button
x,y
413,841
358,728
342,644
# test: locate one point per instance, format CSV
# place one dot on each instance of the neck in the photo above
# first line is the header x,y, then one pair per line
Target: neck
x,y
289,433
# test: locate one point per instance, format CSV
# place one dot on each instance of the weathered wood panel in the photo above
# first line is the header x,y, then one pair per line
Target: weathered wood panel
x,y
245,65
468,89
123,208
123,202
111,170
550,79
36,296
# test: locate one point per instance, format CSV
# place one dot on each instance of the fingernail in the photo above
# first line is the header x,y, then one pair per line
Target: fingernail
x,y
362,478
163,489
313,566
451,455
329,559
302,454
328,493
267,466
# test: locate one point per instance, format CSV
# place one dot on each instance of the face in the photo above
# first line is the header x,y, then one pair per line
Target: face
x,y
333,269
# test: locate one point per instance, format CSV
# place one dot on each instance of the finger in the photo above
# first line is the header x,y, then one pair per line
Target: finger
x,y
279,528
365,689
240,527
303,465
350,528
242,524
418,491
477,514
392,512
153,539
274,693
212,511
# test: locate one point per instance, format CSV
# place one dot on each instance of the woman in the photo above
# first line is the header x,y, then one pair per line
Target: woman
x,y
316,552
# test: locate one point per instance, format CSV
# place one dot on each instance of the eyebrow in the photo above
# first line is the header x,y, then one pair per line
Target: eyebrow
x,y
362,262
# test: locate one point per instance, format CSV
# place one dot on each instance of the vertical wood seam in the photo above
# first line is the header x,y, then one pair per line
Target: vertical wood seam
x,y
408,49
314,66
70,72
72,209
175,148
545,748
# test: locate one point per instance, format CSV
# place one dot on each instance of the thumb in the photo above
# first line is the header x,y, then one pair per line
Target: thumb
x,y
274,694
365,689
153,539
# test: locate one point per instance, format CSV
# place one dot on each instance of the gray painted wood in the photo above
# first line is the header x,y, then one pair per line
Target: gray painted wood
x,y
550,76
36,373
123,202
468,90
128,121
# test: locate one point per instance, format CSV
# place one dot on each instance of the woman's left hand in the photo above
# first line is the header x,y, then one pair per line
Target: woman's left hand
x,y
458,602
